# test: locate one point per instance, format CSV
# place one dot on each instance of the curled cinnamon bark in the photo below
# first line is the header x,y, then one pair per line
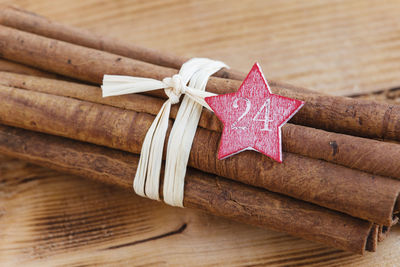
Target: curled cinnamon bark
x,y
13,67
26,21
367,155
23,20
203,191
30,22
350,191
338,114
371,235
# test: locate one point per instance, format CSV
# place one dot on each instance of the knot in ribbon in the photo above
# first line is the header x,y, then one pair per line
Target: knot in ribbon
x,y
195,73
175,87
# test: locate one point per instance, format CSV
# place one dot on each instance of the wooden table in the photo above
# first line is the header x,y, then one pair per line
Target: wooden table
x,y
339,47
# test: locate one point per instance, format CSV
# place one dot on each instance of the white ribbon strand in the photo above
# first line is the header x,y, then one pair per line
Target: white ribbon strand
x,y
147,179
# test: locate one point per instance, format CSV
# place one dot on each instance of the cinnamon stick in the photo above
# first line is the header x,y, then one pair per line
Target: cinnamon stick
x,y
203,191
13,67
338,114
159,64
23,20
27,21
350,191
367,155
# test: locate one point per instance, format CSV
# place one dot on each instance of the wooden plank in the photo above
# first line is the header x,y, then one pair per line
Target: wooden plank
x,y
340,47
52,219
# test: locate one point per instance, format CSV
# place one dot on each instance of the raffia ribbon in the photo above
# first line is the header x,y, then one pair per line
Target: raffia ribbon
x,y
191,81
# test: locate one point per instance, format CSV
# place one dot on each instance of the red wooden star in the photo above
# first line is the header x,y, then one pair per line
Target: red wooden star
x,y
253,117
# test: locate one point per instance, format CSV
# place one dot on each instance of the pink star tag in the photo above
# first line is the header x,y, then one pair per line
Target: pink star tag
x,y
253,117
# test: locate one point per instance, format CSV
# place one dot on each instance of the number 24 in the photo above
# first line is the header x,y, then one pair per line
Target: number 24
x,y
266,120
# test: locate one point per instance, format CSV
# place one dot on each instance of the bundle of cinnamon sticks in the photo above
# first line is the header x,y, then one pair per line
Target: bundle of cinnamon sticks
x,y
338,183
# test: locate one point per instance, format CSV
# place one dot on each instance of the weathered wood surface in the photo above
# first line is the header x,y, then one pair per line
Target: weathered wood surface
x,y
49,219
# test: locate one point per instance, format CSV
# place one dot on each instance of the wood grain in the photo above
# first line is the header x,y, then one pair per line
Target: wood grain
x,y
341,47
51,219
